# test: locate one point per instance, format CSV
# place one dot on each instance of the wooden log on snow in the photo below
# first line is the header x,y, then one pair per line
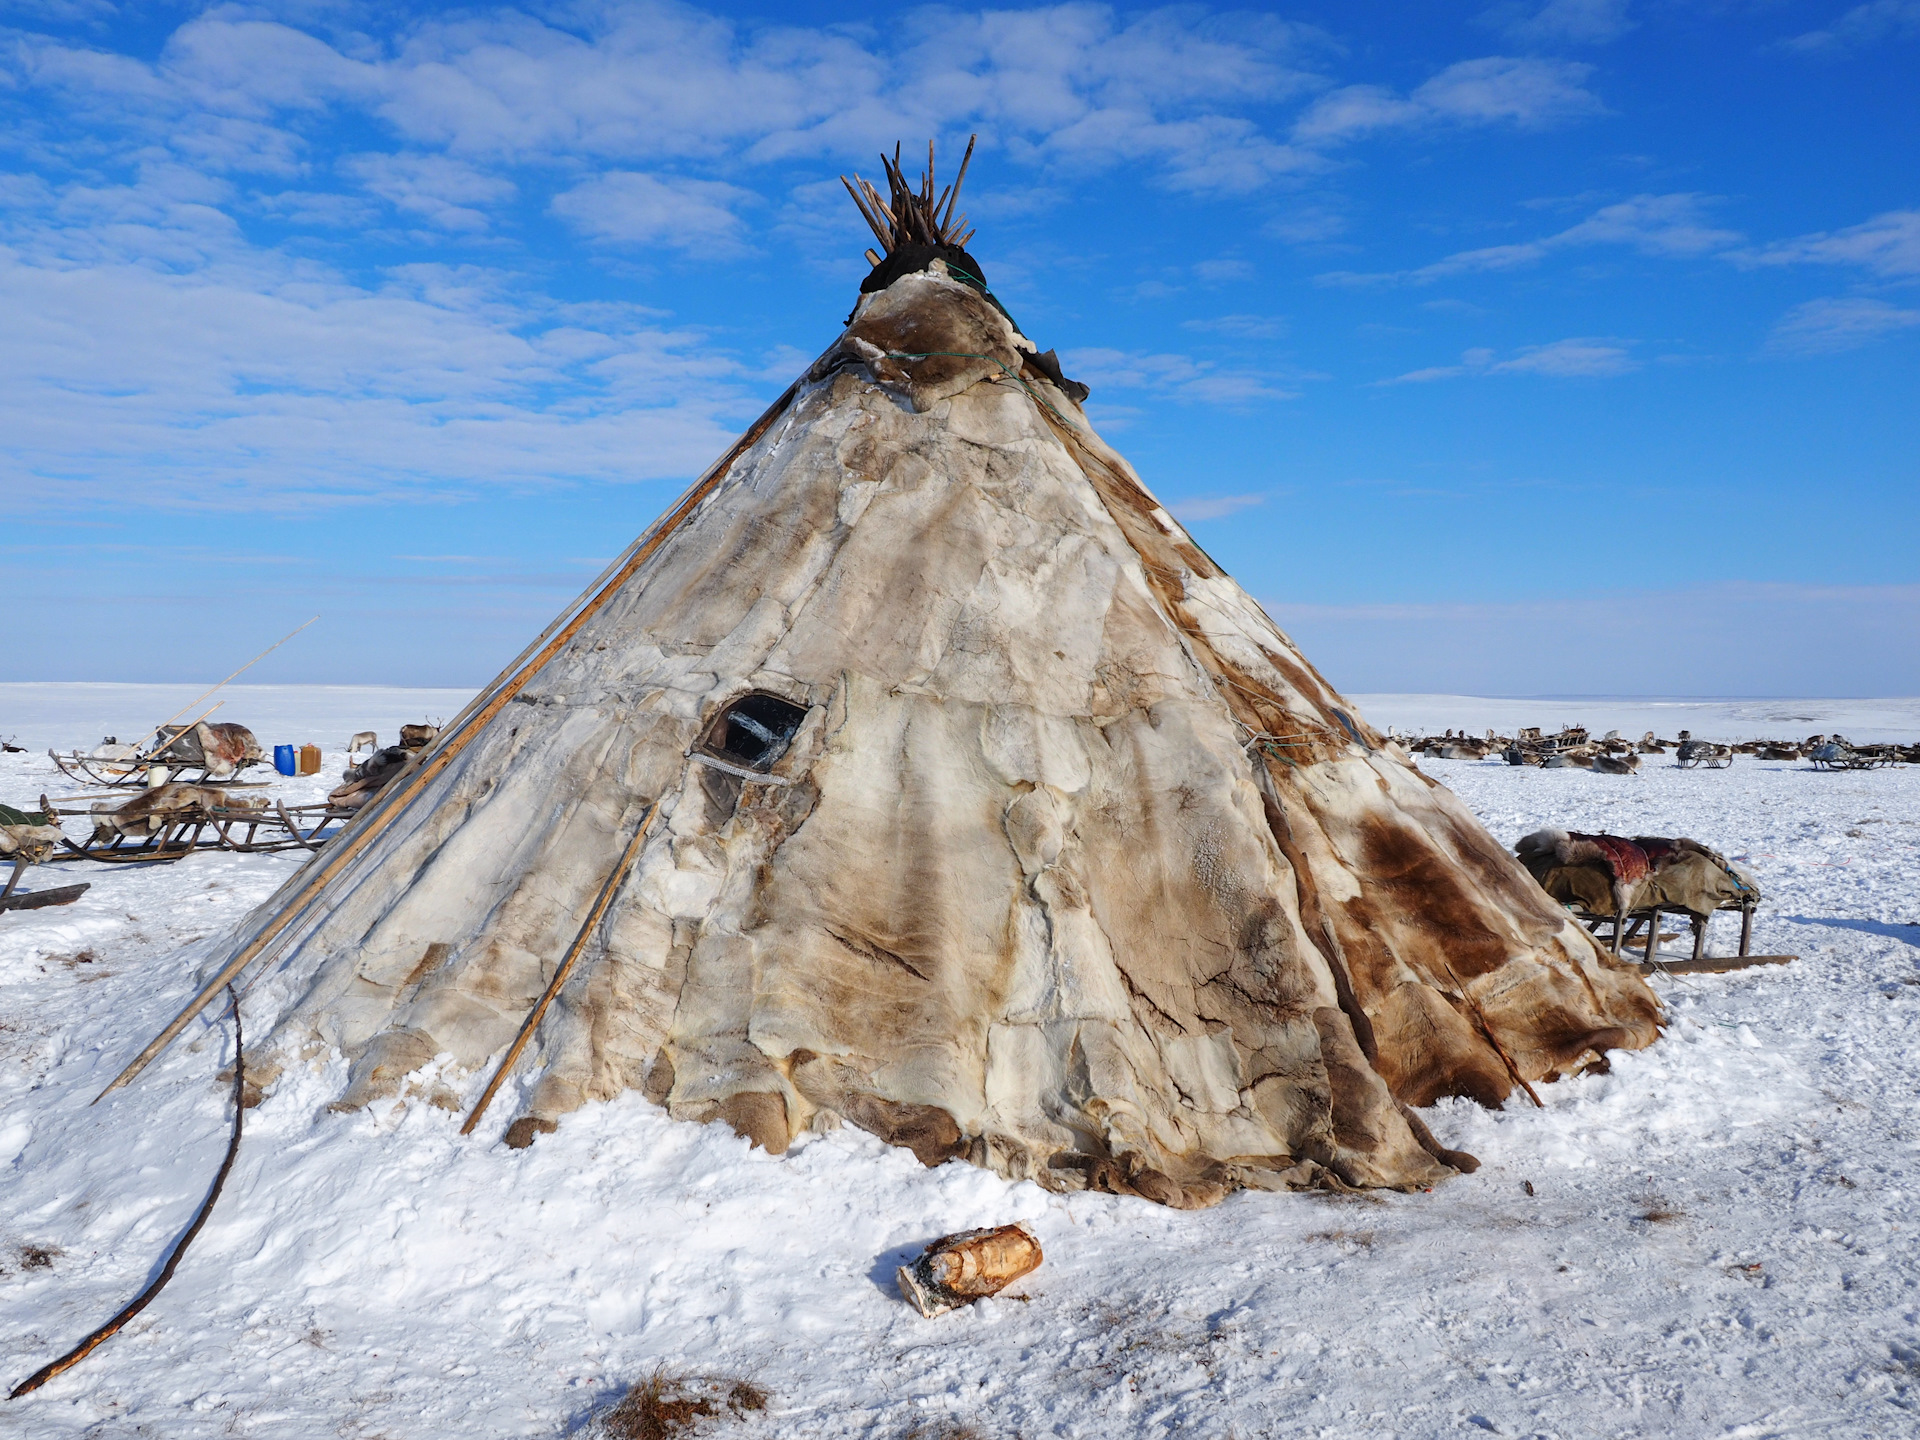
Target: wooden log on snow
x,y
957,1270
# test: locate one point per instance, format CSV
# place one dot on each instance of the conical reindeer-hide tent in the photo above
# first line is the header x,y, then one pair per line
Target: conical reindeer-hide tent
x,y
918,771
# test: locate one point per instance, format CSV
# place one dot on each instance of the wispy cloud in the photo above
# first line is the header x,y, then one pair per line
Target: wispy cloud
x,y
1560,22
1888,245
1863,25
1674,225
1241,327
1178,377
624,207
1822,327
1562,359
159,342
648,86
1528,92
440,190
1214,507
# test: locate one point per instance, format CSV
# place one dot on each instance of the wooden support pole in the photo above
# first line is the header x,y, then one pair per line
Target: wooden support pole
x,y
953,196
564,969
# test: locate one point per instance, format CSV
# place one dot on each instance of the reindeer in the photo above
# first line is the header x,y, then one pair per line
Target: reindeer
x,y
1616,764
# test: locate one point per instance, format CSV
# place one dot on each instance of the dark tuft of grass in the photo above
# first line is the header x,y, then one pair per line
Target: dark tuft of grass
x,y
664,1406
39,1257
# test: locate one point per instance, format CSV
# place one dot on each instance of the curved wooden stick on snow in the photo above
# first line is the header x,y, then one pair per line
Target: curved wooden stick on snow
x,y
139,1302
587,927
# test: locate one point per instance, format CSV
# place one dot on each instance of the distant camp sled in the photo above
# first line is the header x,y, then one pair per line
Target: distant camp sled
x,y
195,750
1837,754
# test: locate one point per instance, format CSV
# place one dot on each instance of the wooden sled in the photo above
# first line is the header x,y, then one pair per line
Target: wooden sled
x,y
204,828
1848,757
1626,927
178,752
14,898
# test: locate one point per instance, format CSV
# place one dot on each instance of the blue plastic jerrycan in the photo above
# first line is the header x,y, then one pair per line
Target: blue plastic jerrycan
x,y
283,760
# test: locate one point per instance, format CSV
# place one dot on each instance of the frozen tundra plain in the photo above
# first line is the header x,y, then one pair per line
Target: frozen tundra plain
x,y
1719,1239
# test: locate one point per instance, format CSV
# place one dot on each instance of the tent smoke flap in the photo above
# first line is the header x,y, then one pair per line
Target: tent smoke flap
x,y
968,802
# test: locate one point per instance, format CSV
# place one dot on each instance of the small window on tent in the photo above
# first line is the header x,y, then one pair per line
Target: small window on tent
x,y
754,730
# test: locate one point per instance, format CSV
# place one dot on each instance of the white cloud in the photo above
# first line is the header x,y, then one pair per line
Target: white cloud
x,y
1580,358
1568,358
1214,507
1661,225
1821,327
1528,92
634,85
629,208
1308,224
440,190
1243,327
320,208
1888,245
1862,26
146,337
1216,272
1579,22
1178,377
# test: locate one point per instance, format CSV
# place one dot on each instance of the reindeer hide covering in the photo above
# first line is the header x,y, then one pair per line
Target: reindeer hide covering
x,y
1074,868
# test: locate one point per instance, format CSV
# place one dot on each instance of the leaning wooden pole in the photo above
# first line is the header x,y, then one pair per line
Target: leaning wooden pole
x,y
203,694
303,888
565,968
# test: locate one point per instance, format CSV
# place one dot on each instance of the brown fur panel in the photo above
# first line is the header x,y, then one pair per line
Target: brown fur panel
x,y
963,340
930,1132
1433,1050
1368,1126
1441,903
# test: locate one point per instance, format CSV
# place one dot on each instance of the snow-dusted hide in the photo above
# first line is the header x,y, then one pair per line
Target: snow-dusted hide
x,y
152,811
221,749
1073,867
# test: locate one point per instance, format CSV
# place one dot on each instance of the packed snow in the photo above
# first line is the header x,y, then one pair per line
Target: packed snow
x,y
1715,1239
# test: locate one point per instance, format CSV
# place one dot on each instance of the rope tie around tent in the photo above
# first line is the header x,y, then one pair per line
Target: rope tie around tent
x,y
139,1302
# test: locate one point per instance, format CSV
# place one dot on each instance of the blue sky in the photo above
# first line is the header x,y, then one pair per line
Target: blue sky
x,y
1514,348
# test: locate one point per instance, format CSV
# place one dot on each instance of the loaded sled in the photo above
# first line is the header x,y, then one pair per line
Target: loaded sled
x,y
1628,886
193,753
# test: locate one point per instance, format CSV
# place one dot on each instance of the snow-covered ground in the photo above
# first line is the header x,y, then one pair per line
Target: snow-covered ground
x,y
1718,1239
